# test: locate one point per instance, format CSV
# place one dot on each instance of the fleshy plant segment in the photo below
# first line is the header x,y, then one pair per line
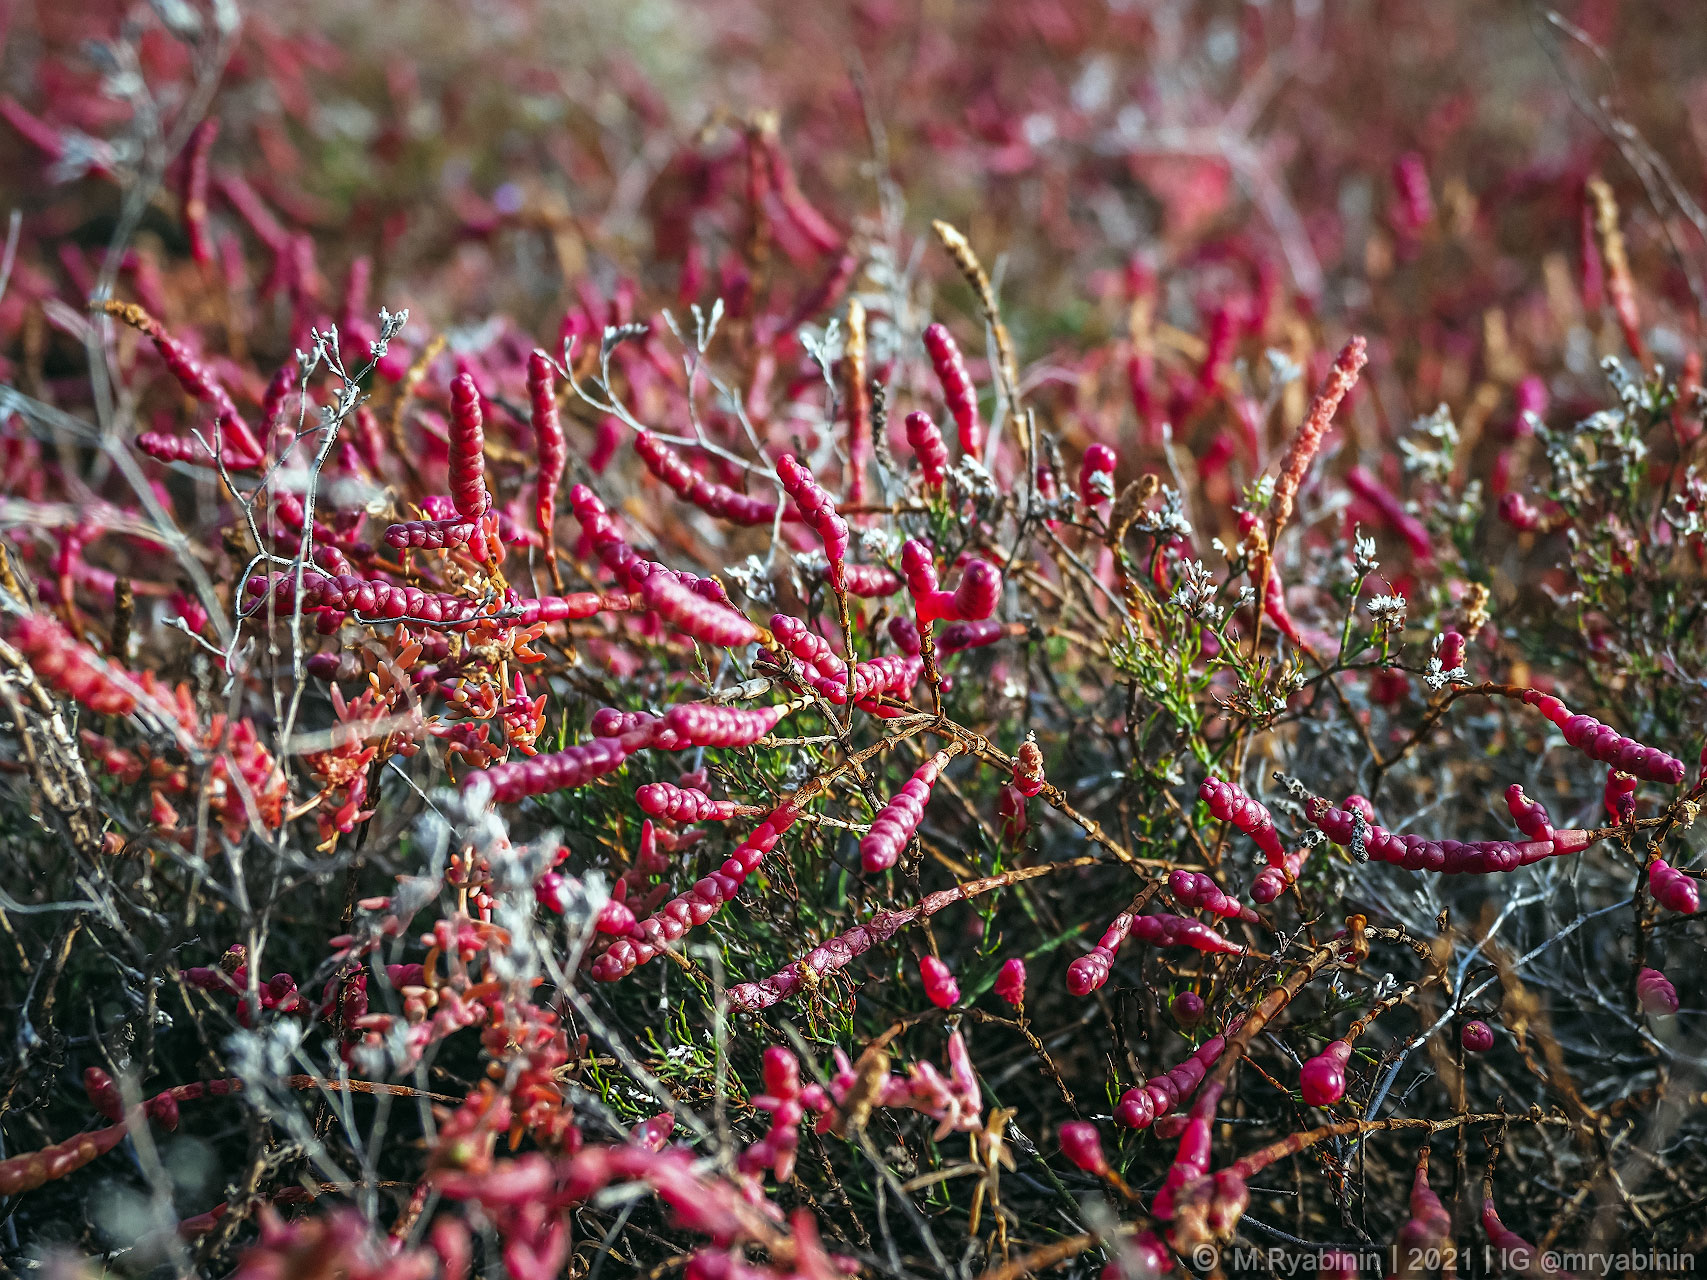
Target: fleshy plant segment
x,y
959,640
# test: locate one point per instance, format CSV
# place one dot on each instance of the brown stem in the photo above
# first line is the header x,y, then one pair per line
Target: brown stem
x,y
927,655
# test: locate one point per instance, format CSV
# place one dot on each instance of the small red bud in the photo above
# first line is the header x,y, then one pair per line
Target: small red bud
x,y
1187,1008
927,445
1323,1077
1451,651
1096,475
1081,1144
1010,807
1028,769
1672,889
957,390
1655,993
940,987
1010,982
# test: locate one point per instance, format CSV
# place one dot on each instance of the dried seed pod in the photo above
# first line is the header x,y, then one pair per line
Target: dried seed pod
x,y
1305,444
192,375
857,399
1620,284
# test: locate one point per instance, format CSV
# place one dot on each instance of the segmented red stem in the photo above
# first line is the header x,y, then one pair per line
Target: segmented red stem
x,y
707,896
926,443
890,831
467,449
550,445
715,499
957,390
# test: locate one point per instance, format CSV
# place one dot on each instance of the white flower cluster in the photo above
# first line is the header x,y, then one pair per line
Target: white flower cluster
x,y
1363,561
969,476
1259,493
1169,521
1388,611
1282,368
879,544
1437,678
1432,457
753,578
1196,593
1687,514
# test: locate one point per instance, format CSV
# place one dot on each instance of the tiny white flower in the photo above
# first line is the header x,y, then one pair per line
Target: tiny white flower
x,y
1437,679
1196,593
1363,555
1388,611
879,544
